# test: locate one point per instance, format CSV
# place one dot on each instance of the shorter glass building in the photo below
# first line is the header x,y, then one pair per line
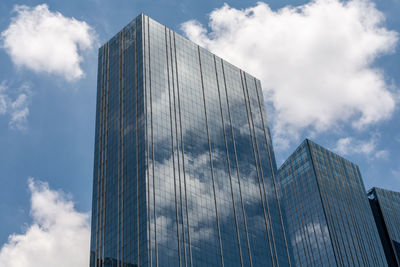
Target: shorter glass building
x,y
328,217
385,206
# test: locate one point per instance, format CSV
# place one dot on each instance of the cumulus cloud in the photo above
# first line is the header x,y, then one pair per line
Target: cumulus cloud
x,y
396,174
315,61
382,154
16,105
200,223
46,41
58,236
350,145
317,235
3,99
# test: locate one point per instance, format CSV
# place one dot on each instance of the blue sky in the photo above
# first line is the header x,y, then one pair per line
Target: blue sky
x,y
330,71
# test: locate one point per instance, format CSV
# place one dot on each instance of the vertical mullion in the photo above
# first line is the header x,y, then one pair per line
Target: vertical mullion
x,y
179,171
100,147
123,146
183,153
273,173
152,144
321,190
257,161
172,143
211,161
342,233
229,165
300,217
137,144
236,162
290,218
149,244
351,217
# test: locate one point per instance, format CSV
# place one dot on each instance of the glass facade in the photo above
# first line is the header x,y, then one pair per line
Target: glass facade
x,y
184,171
328,218
385,205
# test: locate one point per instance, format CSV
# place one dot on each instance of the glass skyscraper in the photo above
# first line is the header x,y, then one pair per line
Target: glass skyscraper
x,y
184,170
385,205
328,217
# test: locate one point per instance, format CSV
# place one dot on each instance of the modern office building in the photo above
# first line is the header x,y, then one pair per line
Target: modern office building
x,y
328,217
184,170
385,206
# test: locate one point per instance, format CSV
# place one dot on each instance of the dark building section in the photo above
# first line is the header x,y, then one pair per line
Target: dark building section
x,y
328,217
119,214
184,171
385,206
110,262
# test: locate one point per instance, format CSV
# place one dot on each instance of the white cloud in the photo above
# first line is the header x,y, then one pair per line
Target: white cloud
x,y
201,223
316,234
16,105
58,236
347,146
3,99
19,110
382,154
315,61
350,145
46,41
396,174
